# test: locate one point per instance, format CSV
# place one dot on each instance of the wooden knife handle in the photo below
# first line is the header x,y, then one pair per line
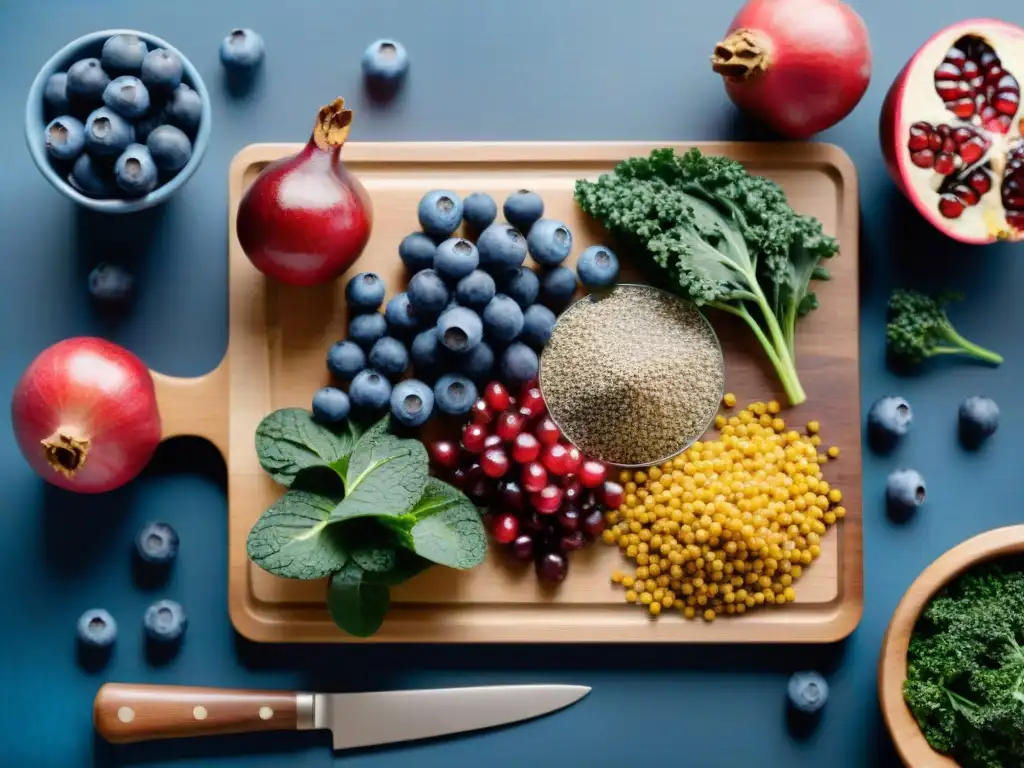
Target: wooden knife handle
x,y
126,713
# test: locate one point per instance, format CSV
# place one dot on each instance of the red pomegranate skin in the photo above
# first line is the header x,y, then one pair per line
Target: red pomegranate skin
x,y
96,393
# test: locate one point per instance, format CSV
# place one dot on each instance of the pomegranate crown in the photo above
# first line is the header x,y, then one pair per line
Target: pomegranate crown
x,y
333,123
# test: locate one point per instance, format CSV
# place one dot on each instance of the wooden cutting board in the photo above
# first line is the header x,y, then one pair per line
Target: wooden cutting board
x,y
279,336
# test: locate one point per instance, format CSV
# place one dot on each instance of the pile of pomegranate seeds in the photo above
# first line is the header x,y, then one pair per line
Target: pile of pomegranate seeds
x,y
543,497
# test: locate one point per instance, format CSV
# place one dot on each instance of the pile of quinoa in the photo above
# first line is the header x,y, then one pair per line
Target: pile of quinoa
x,y
633,376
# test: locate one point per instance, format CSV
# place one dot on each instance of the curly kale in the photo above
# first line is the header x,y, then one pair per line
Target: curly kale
x,y
918,328
727,240
965,669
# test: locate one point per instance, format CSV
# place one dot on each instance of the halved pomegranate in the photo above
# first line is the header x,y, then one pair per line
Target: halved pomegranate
x,y
951,131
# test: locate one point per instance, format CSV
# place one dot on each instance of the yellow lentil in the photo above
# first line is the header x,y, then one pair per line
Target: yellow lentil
x,y
833,452
728,399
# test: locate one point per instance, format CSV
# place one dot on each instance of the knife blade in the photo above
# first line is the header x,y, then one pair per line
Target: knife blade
x,y
124,713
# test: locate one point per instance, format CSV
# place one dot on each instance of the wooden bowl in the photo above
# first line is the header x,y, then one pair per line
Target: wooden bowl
x,y
910,743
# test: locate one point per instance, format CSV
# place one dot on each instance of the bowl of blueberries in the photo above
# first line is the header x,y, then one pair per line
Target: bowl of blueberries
x,y
118,120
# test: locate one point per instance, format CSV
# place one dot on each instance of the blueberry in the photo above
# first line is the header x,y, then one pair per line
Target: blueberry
x,y
107,133
456,258
519,364
389,356
162,70
503,319
65,138
428,295
184,109
170,148
345,359
364,330
127,96
478,363
242,50
89,177
479,210
412,402
557,287
97,629
550,242
502,248
417,252
330,405
440,212
123,53
385,60
904,491
425,352
401,317
87,81
165,621
135,171
111,283
808,692
522,285
157,543
370,391
55,94
538,322
460,329
475,289
364,293
597,267
979,419
454,394
522,209
889,419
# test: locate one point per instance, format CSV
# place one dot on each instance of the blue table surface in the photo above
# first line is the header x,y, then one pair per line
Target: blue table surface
x,y
534,69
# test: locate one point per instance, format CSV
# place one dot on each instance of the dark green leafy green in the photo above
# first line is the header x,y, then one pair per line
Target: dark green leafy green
x,y
295,540
918,328
356,604
444,527
289,441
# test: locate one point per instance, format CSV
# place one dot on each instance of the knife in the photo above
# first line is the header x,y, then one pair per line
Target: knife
x,y
127,713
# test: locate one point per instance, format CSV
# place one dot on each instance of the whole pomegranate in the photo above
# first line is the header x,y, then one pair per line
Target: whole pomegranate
x,y
799,66
951,131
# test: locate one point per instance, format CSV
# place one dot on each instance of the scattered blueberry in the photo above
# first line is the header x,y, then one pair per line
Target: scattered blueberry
x,y
456,258
475,289
65,138
522,285
162,70
479,210
364,292
345,359
538,322
979,420
477,364
889,419
808,692
401,316
55,94
503,318
550,242
454,394
385,60
502,248
412,402
519,363
157,543
389,356
428,295
107,133
364,330
330,405
170,148
370,391
242,50
123,54
425,352
460,329
184,109
522,209
88,177
417,252
135,171
557,287
87,81
97,629
127,96
440,212
597,267
111,283
165,621
905,491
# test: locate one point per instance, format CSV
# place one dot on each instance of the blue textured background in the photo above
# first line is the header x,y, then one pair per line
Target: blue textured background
x,y
533,69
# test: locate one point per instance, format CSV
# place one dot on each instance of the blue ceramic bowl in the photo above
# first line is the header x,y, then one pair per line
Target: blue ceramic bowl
x,y
36,121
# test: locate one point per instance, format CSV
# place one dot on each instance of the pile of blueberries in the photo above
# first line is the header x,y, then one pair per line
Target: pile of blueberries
x,y
471,311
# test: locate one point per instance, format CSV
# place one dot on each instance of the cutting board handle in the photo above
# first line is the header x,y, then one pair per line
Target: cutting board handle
x,y
195,406
125,713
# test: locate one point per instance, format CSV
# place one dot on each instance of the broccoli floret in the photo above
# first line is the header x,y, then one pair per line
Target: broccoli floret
x,y
918,328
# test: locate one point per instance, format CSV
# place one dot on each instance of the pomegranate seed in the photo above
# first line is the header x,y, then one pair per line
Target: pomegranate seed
x,y
534,476
612,494
497,396
950,206
522,548
573,460
592,473
460,478
531,404
552,567
525,448
481,413
510,424
572,541
505,528
547,431
533,522
589,500
569,519
533,383
473,437
555,458
494,463
945,164
511,495
547,500
593,524
481,491
493,441
444,454
573,491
